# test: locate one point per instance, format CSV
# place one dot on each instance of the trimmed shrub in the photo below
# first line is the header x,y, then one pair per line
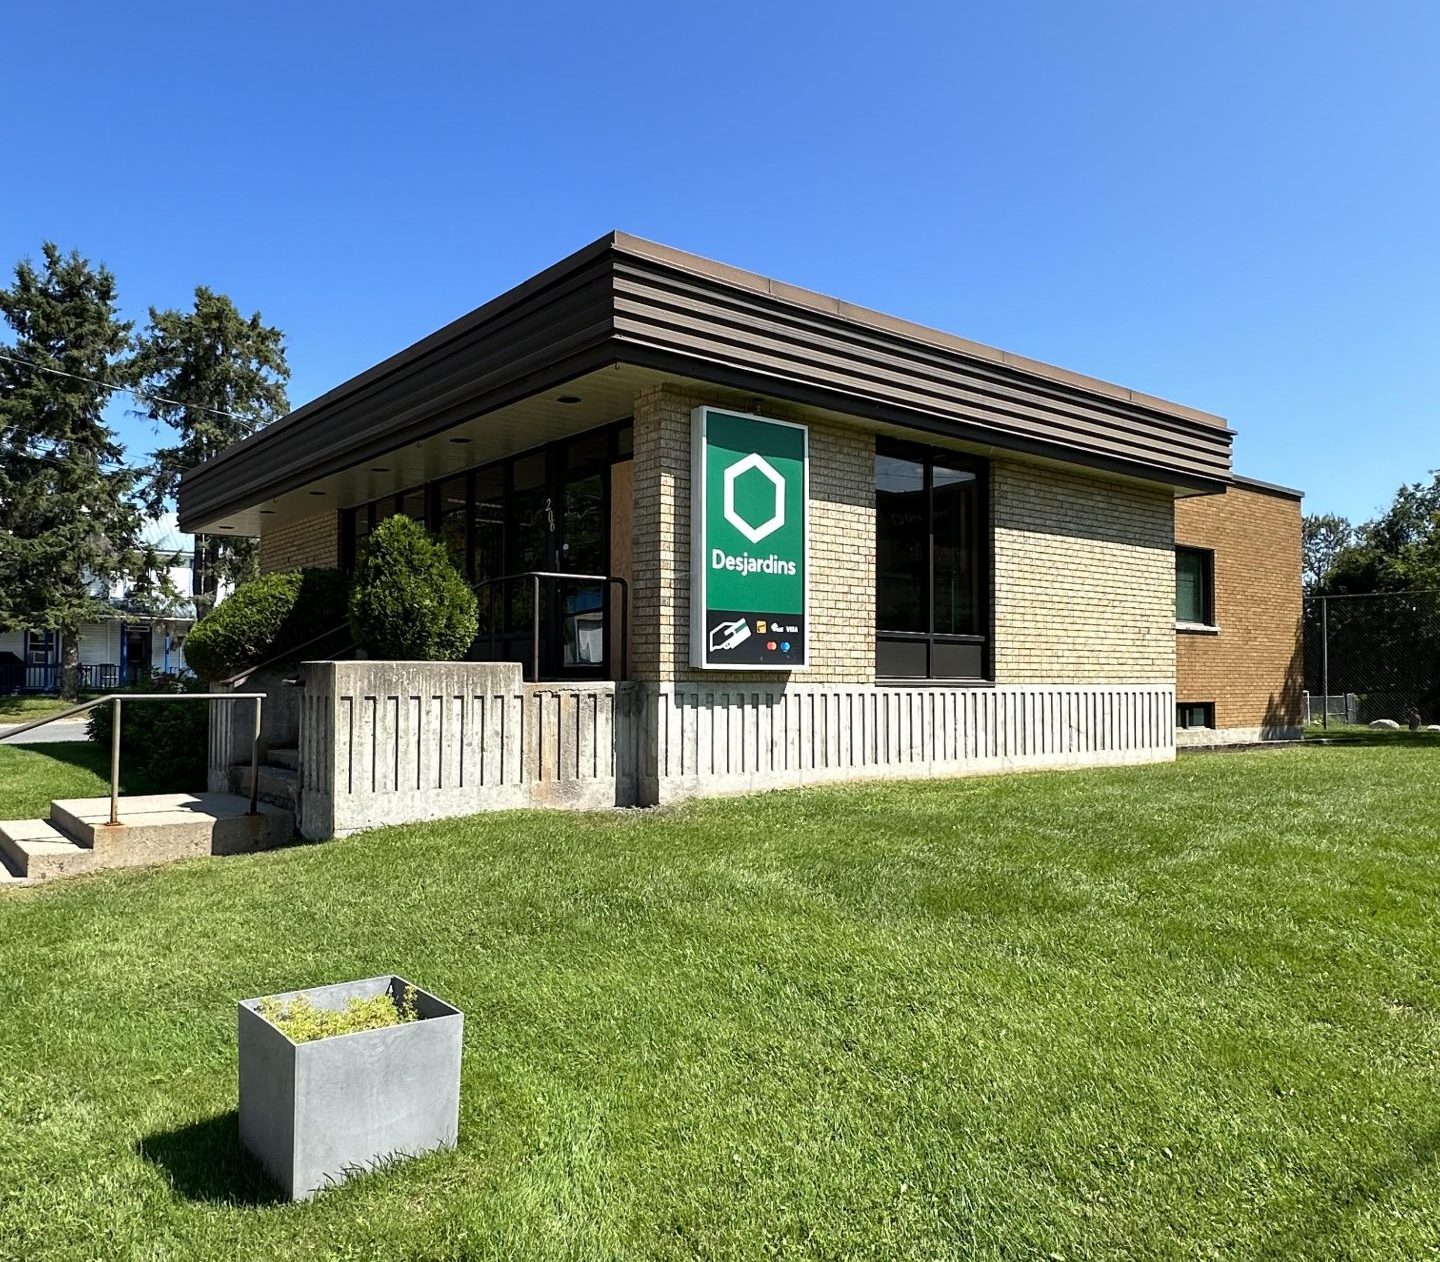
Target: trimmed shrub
x,y
264,617
164,741
409,603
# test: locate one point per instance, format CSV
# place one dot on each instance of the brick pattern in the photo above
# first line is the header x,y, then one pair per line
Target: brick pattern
x,y
1251,670
1084,577
311,541
842,542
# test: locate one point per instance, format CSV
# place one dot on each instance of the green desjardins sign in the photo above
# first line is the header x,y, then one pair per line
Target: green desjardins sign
x,y
751,480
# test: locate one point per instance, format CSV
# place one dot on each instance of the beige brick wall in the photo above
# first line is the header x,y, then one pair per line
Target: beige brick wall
x,y
1084,577
1251,670
311,541
842,542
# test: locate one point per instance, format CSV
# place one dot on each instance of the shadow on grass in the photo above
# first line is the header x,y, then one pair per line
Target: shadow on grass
x,y
1367,736
1331,1211
205,1162
88,756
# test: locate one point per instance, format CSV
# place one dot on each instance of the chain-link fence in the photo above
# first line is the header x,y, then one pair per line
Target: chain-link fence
x,y
1373,656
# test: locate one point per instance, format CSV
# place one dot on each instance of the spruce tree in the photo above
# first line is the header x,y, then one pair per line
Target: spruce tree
x,y
214,377
69,520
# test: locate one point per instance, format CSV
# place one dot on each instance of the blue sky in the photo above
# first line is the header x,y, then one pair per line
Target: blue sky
x,y
1229,204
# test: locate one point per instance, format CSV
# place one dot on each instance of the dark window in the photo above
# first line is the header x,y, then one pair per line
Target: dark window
x,y
489,523
545,509
453,511
1195,714
930,564
40,648
900,544
1195,586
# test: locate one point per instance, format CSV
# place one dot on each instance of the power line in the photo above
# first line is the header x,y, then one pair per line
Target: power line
x,y
130,390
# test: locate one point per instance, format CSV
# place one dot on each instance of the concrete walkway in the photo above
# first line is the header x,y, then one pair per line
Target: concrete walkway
x,y
60,730
153,828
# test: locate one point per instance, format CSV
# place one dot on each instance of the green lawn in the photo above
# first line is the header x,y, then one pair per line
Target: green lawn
x,y
1189,1011
23,709
30,775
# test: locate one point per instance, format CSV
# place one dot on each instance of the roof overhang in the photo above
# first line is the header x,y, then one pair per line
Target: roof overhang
x,y
625,312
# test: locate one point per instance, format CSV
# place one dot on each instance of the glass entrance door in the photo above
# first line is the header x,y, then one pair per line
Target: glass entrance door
x,y
138,646
556,511
546,510
575,645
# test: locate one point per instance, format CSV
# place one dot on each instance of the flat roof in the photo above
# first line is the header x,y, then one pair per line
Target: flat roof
x,y
1270,488
623,301
867,317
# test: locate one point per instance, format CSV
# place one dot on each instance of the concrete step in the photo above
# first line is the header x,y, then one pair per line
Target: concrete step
x,y
289,758
36,850
161,826
10,874
279,786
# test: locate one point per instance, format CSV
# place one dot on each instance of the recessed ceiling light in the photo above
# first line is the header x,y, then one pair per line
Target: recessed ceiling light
x,y
267,512
459,440
569,398
317,492
227,527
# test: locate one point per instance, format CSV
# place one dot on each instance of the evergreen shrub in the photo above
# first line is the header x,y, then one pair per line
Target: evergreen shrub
x,y
409,602
164,743
265,617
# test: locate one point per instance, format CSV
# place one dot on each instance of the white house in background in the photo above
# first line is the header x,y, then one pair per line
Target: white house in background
x,y
128,647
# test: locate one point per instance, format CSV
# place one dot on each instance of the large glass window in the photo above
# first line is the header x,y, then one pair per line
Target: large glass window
x,y
489,558
454,513
546,509
1194,586
901,558
929,564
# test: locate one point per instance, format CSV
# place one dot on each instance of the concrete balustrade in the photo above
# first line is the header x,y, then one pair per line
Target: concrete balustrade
x,y
396,742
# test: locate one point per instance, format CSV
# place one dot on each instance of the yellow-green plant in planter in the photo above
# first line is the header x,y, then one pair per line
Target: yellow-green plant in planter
x,y
302,1022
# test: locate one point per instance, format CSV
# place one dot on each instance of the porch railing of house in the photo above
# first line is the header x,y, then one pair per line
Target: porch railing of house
x,y
45,676
118,700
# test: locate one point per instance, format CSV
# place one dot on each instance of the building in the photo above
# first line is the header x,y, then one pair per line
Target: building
x,y
1238,669
140,640
818,542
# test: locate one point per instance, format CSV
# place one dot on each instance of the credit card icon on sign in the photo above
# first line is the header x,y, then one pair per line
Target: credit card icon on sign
x,y
728,634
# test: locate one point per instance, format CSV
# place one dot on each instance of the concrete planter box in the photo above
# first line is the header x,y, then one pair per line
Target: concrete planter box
x,y
315,1113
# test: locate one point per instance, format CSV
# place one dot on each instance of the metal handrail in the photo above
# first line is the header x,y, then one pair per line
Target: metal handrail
x,y
116,698
535,576
240,676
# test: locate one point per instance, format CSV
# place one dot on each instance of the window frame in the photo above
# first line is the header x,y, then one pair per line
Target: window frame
x,y
616,451
1207,715
1207,586
48,648
980,574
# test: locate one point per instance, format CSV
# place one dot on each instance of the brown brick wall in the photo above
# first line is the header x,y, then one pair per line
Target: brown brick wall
x,y
1084,577
311,541
842,542
1251,669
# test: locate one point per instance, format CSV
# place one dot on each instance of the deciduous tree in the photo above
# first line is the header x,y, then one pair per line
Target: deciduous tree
x,y
1323,537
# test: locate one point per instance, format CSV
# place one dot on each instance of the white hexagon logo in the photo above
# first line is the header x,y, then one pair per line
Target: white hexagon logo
x,y
772,523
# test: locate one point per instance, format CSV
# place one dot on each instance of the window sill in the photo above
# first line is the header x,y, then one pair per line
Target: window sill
x,y
883,682
1196,628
